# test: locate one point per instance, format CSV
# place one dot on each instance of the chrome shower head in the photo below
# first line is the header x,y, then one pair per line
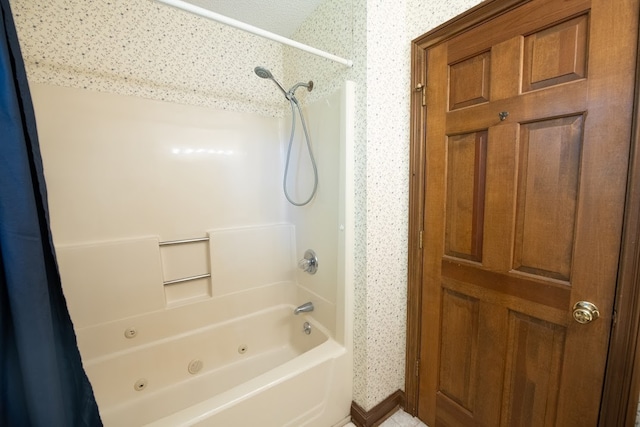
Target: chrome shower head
x,y
264,73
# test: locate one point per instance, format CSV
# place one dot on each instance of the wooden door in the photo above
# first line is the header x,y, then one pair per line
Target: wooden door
x,y
527,140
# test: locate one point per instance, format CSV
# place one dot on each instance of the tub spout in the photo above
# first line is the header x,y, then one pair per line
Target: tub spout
x,y
304,308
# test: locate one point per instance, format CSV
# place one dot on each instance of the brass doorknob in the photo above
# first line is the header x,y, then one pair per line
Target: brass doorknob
x,y
585,312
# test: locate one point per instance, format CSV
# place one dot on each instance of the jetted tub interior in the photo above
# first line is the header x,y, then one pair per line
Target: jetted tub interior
x,y
156,379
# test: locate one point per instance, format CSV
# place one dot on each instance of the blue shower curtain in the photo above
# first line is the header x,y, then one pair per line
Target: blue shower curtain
x,y
42,382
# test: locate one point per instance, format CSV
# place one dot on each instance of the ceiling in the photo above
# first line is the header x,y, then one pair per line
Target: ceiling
x,y
282,17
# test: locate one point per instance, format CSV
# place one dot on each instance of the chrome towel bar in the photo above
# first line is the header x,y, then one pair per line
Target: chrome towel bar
x,y
187,279
179,242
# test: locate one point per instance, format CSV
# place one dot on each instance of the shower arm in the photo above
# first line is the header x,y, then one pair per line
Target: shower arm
x,y
205,13
295,87
291,95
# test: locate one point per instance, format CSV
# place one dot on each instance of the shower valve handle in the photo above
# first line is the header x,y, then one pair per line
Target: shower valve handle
x,y
309,263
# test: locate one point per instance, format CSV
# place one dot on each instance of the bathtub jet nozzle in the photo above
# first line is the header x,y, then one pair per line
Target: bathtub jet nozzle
x,y
304,308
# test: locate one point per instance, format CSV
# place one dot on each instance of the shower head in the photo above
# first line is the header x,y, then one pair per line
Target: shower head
x,y
263,73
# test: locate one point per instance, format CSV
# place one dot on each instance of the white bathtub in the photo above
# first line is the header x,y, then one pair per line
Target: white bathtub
x,y
213,375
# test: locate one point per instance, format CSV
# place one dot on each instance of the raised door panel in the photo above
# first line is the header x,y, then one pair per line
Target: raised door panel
x,y
458,370
547,195
533,368
469,81
556,55
466,166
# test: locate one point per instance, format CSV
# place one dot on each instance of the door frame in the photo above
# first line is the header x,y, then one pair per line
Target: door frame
x,y
622,376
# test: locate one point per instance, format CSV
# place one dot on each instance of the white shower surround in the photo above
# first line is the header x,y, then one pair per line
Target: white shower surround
x,y
143,49
125,174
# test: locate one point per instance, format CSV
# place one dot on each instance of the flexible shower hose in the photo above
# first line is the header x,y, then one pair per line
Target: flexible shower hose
x,y
293,101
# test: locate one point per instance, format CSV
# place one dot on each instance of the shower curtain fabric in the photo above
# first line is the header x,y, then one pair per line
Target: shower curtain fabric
x,y
42,382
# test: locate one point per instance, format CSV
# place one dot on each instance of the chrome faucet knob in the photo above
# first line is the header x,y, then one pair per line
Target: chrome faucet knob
x,y
304,264
309,263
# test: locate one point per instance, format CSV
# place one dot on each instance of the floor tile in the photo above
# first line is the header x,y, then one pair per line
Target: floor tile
x,y
402,419
399,419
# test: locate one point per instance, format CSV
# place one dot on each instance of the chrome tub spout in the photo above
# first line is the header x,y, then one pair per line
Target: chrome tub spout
x,y
304,308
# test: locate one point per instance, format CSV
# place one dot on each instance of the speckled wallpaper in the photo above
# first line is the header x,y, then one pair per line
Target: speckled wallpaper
x,y
142,48
146,49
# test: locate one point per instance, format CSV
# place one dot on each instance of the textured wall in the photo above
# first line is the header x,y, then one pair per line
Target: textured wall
x,y
146,49
140,48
